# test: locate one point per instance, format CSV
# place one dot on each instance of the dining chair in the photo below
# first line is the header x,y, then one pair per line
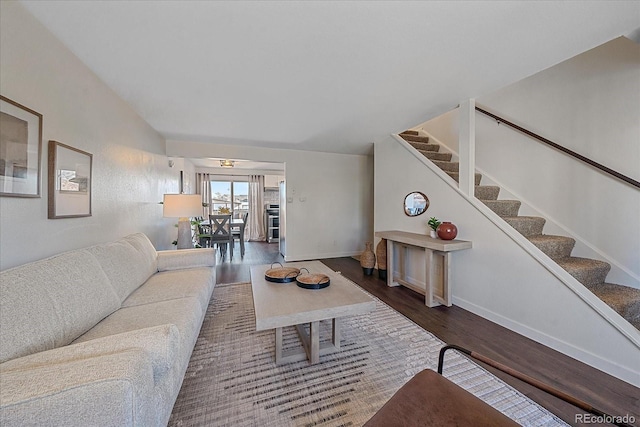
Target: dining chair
x,y
238,232
204,235
221,233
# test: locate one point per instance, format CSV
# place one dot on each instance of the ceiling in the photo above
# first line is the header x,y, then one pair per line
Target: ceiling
x,y
313,75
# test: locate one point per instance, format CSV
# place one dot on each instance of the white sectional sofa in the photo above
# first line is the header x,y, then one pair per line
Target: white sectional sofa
x,y
100,336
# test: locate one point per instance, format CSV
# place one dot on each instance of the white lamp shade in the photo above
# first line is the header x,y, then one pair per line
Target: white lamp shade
x,y
182,205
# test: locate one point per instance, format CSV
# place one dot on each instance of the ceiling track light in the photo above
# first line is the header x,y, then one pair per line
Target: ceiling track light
x,y
227,163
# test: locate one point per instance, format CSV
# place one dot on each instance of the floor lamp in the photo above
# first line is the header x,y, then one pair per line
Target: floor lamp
x,y
183,206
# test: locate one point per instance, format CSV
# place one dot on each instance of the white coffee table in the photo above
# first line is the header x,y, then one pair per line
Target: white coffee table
x,y
278,305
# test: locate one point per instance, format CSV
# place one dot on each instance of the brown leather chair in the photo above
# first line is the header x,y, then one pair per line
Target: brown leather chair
x,y
429,399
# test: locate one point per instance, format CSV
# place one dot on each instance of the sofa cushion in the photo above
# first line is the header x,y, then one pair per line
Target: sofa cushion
x,y
185,313
49,303
168,285
126,265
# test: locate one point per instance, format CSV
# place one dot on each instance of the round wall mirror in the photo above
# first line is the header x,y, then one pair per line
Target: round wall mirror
x,y
416,203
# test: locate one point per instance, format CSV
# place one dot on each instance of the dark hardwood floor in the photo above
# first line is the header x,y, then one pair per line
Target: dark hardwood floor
x,y
238,270
457,326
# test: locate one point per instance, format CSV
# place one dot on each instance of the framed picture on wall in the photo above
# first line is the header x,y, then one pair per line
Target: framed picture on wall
x,y
20,147
69,181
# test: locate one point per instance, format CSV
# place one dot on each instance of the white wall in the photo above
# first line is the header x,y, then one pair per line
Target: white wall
x,y
188,170
330,213
497,279
130,168
589,104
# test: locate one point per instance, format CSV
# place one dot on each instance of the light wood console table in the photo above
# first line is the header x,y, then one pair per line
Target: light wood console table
x,y
437,263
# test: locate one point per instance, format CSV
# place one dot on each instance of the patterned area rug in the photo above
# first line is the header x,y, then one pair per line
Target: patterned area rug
x,y
232,378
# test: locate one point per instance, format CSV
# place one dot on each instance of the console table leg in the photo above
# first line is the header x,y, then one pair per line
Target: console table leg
x,y
390,264
428,295
446,294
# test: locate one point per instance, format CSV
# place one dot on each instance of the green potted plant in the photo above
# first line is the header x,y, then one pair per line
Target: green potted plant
x,y
433,224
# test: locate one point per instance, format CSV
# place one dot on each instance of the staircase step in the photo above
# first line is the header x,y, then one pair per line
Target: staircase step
x,y
526,225
487,192
587,271
504,208
456,176
409,132
434,155
415,138
423,146
555,247
447,166
623,299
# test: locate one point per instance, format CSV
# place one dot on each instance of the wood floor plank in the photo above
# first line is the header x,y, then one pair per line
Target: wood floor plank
x,y
455,325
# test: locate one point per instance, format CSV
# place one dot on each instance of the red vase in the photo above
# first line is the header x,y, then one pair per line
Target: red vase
x,y
447,231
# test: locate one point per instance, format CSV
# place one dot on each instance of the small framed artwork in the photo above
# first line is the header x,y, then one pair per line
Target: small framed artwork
x,y
20,148
69,181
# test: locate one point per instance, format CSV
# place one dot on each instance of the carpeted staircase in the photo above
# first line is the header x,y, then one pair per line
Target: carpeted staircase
x,y
590,272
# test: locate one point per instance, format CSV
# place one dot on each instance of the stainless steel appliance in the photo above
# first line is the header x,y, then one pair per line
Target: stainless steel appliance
x,y
283,219
272,222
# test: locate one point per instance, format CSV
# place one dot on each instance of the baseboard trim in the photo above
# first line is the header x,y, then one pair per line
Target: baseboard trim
x,y
310,257
625,374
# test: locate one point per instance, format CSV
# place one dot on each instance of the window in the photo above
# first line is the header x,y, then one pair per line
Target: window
x,y
230,194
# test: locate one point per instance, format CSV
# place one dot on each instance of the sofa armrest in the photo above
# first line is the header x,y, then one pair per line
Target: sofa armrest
x,y
186,258
108,389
